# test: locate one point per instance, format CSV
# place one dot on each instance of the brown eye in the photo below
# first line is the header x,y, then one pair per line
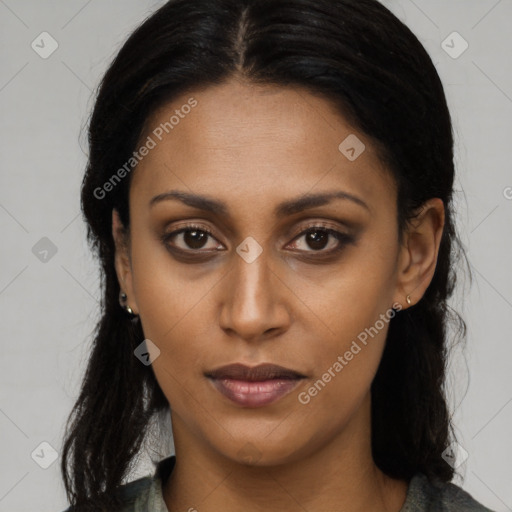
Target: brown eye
x,y
195,239
190,239
316,239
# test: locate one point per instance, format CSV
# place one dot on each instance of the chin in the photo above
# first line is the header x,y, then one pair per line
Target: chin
x,y
262,452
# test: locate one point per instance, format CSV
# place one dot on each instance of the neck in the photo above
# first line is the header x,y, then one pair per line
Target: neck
x,y
340,475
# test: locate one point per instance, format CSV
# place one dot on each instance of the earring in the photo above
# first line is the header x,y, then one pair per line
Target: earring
x,y
122,300
408,299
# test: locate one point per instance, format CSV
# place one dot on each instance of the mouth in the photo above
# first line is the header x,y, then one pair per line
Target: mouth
x,y
255,386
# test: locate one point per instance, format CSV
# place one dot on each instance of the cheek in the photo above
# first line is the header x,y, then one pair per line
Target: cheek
x,y
354,307
165,293
354,296
173,306
172,317
345,369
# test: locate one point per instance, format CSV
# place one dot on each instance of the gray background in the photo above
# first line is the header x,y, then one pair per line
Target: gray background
x,y
48,302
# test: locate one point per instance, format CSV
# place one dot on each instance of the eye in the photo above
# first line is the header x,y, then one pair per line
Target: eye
x,y
316,238
193,238
190,238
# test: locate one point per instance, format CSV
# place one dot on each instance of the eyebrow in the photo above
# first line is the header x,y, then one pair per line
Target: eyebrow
x,y
283,209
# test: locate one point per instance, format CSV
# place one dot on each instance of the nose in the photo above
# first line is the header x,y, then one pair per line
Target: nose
x,y
254,302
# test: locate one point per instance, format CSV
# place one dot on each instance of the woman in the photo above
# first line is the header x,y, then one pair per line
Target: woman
x,y
269,190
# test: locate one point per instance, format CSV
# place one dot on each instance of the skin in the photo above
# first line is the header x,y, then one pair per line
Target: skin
x,y
253,147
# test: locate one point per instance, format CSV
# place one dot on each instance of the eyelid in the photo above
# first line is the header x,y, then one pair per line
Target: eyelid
x,y
302,230
318,224
188,227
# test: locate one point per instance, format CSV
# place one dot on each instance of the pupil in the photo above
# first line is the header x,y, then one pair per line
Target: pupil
x,y
195,239
318,241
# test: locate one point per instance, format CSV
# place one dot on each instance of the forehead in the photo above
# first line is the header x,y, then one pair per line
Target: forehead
x,y
241,139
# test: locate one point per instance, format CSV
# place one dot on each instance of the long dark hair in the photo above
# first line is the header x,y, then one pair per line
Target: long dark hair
x,y
355,54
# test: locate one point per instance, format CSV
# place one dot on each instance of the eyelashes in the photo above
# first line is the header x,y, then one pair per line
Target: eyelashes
x,y
196,235
204,233
340,239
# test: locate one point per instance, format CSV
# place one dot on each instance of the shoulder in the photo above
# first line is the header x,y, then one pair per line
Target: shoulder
x,y
130,494
144,493
429,495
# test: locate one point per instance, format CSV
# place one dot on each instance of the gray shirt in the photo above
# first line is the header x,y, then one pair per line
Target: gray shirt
x,y
145,494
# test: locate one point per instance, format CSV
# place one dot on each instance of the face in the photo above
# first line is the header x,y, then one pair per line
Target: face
x,y
248,267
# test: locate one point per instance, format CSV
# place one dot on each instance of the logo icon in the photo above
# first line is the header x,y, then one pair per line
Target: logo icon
x,y
454,45
146,352
454,455
44,455
352,147
44,45
44,250
249,453
249,249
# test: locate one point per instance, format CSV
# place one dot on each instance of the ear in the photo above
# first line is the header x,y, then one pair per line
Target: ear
x,y
122,260
419,250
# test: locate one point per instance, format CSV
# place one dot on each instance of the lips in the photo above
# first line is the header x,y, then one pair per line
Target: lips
x,y
261,372
256,386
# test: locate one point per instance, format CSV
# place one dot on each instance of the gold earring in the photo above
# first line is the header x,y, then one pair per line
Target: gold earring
x,y
408,299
